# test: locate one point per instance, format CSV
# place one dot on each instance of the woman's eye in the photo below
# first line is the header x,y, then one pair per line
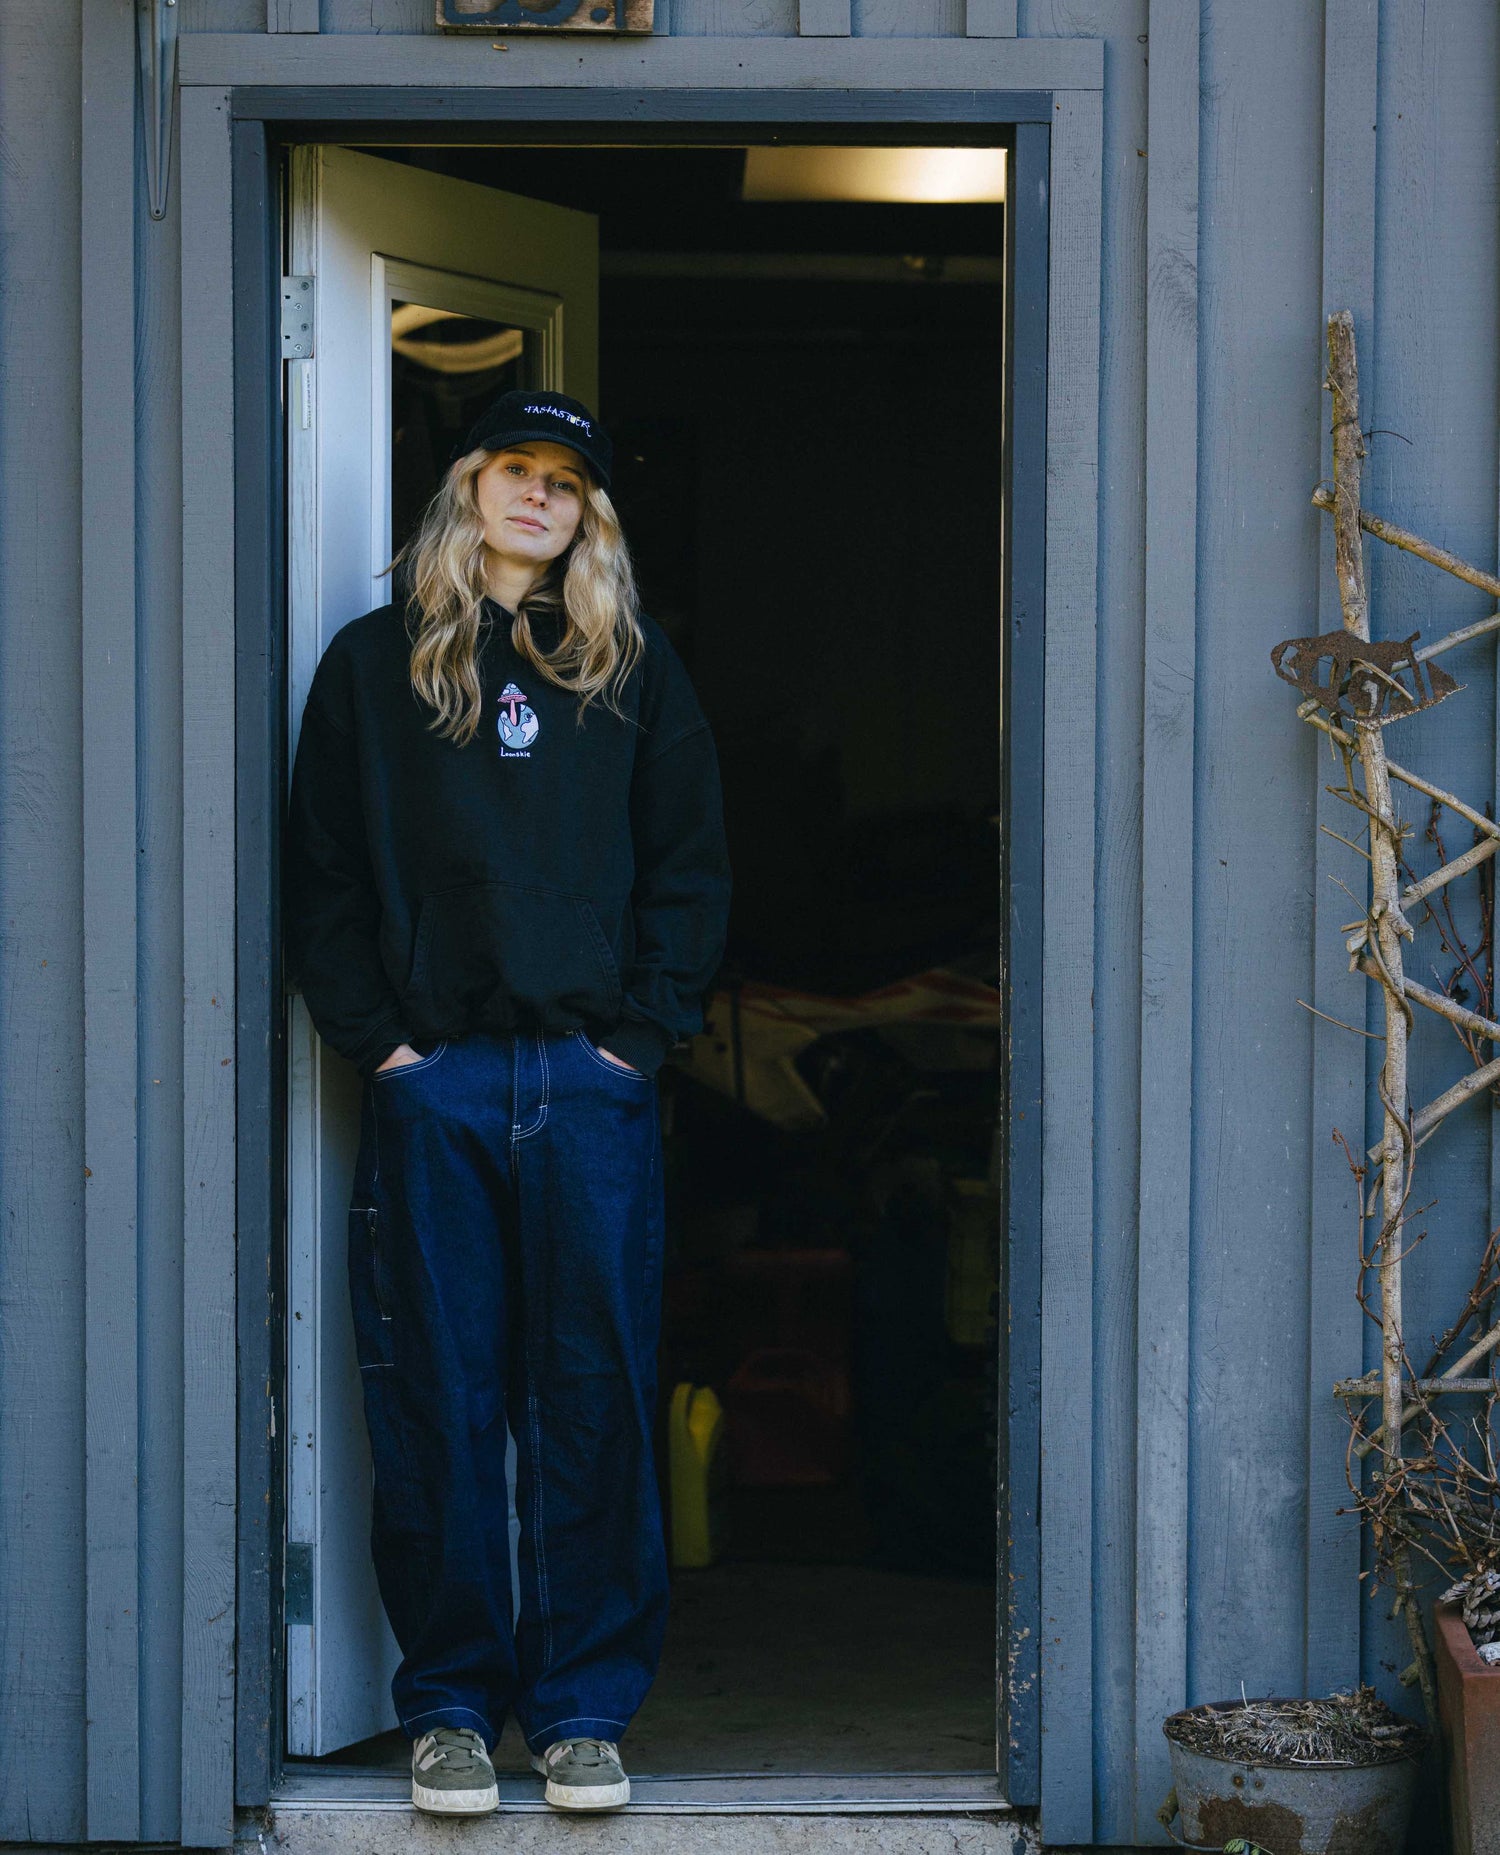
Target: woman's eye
x,y
516,470
562,483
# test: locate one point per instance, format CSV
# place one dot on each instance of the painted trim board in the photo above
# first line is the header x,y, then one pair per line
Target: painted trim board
x,y
209,1398
403,61
110,1002
1163,1253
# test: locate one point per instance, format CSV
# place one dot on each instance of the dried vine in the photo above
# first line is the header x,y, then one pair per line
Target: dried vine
x,y
1432,1493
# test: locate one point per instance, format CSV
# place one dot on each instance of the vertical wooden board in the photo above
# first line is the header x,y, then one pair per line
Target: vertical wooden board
x,y
1260,420
222,15
1068,964
107,247
1334,1322
731,19
827,19
1167,876
907,19
990,19
159,1065
43,1671
378,16
1024,849
1435,380
259,1003
208,1022
1117,1007
292,16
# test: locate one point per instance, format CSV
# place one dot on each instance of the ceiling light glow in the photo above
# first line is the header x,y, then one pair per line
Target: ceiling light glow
x,y
899,176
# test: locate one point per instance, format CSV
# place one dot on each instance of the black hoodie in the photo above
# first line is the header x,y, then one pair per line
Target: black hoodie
x,y
547,875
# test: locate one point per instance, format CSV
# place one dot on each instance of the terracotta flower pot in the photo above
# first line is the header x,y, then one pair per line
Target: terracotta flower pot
x,y
1469,1701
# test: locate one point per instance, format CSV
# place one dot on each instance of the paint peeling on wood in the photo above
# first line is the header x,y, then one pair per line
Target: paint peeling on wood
x,y
545,15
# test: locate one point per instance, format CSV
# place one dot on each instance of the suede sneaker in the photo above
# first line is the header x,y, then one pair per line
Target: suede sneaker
x,y
583,1774
451,1773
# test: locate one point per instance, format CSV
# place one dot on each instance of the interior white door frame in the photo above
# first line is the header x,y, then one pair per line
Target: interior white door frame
x,y
394,280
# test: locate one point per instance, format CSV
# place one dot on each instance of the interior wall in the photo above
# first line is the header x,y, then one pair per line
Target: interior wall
x,y
840,609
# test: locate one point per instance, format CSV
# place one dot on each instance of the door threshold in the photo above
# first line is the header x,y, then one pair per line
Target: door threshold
x,y
795,1794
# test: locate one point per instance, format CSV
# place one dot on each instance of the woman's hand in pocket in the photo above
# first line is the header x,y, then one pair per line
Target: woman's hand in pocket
x,y
399,1058
619,1062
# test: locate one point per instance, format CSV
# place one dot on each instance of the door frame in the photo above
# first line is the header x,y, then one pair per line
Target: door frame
x,y
232,134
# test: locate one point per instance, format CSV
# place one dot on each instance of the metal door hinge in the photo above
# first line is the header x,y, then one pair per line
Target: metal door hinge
x,y
297,297
299,1581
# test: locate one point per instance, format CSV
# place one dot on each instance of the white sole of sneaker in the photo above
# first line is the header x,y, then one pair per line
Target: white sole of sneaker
x,y
588,1796
583,1796
455,1803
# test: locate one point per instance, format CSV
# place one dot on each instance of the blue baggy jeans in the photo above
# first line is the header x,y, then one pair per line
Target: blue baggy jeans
x,y
505,1253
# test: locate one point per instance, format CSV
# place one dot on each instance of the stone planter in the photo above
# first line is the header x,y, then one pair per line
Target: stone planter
x,y
1469,1701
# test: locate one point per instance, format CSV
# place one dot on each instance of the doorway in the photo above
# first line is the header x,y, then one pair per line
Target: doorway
x,y
813,382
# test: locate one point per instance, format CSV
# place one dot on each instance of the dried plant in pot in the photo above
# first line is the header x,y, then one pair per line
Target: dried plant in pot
x,y
1297,1777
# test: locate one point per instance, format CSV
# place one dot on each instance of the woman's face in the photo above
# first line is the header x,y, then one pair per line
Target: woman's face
x,y
531,502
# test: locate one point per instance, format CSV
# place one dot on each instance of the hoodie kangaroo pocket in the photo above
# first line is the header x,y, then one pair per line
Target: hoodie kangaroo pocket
x,y
501,953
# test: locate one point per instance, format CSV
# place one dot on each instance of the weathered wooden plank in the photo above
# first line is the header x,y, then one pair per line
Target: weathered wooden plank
x,y
1118,907
1260,413
1019,1469
990,19
221,15
1334,1322
107,245
729,18
679,62
292,16
823,19
1167,878
208,960
43,1671
385,16
260,684
1068,964
158,465
908,19
1434,380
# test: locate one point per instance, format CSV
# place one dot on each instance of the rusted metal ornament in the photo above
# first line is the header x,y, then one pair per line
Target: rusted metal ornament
x,y
1364,680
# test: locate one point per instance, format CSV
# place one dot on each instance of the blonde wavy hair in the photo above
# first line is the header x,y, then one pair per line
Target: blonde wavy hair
x,y
592,585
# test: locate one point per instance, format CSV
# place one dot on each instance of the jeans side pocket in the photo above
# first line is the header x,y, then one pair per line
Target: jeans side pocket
x,y
370,1299
385,1298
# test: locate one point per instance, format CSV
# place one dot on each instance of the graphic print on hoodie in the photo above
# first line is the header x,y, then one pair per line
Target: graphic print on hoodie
x,y
546,874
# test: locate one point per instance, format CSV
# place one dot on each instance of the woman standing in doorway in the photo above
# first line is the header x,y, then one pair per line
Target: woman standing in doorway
x,y
506,895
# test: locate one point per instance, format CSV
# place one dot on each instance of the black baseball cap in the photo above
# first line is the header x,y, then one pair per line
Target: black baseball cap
x,y
550,417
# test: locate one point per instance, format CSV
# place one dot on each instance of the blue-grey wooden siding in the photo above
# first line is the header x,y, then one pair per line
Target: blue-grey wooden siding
x,y
1262,165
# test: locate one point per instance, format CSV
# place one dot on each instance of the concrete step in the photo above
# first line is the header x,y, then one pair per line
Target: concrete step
x,y
393,1830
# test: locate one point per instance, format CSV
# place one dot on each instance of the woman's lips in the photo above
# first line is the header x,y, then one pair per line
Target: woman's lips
x,y
527,521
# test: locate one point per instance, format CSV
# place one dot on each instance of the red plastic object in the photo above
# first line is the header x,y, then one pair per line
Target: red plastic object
x,y
797,1299
788,1414
1469,1703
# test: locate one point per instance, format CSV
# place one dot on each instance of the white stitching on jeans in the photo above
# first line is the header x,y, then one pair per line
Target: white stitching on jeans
x,y
525,1133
